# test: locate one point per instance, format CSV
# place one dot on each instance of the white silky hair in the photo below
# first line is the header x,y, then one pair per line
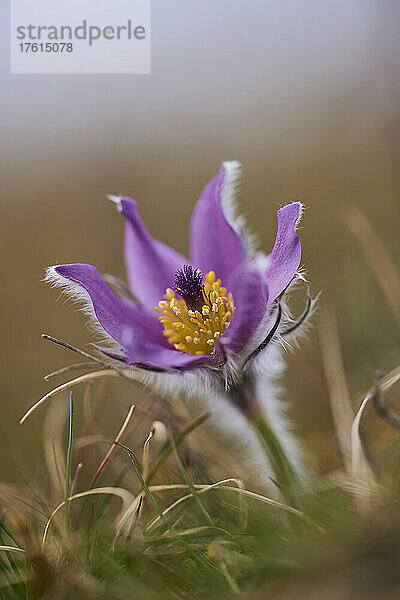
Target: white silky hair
x,y
229,203
241,436
80,297
73,291
267,370
115,200
229,425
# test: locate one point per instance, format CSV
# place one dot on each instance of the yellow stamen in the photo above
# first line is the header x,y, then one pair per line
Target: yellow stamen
x,y
192,331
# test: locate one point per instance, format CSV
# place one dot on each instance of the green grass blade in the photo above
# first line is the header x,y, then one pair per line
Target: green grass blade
x,y
68,474
10,534
169,449
143,483
190,484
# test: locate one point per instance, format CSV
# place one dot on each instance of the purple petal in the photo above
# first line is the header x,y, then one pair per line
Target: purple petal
x,y
138,332
150,264
214,244
284,259
142,352
250,294
120,319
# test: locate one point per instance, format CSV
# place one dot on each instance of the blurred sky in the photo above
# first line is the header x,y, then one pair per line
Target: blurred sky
x,y
216,66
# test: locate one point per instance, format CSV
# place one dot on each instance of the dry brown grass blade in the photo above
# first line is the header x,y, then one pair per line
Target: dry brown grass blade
x,y
68,368
146,454
83,441
12,549
126,497
158,436
113,446
157,432
67,386
356,444
202,489
22,501
54,453
126,521
125,524
377,256
390,379
361,471
122,372
339,395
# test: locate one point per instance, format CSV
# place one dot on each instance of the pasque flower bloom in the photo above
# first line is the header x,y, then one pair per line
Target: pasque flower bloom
x,y
210,306
207,318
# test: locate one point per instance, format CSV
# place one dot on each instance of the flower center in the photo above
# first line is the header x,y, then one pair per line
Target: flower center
x,y
194,323
189,286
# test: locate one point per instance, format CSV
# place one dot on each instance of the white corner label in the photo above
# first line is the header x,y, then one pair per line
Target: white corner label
x,y
80,36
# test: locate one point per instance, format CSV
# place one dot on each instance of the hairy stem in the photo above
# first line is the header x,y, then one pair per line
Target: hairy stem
x,y
286,477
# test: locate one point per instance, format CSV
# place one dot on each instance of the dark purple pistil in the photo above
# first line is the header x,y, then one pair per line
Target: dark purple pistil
x,y
189,285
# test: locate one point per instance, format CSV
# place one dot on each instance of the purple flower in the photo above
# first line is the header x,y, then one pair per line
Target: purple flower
x,y
213,326
202,313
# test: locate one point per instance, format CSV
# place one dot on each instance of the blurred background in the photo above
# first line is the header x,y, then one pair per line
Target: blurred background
x,y
304,94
